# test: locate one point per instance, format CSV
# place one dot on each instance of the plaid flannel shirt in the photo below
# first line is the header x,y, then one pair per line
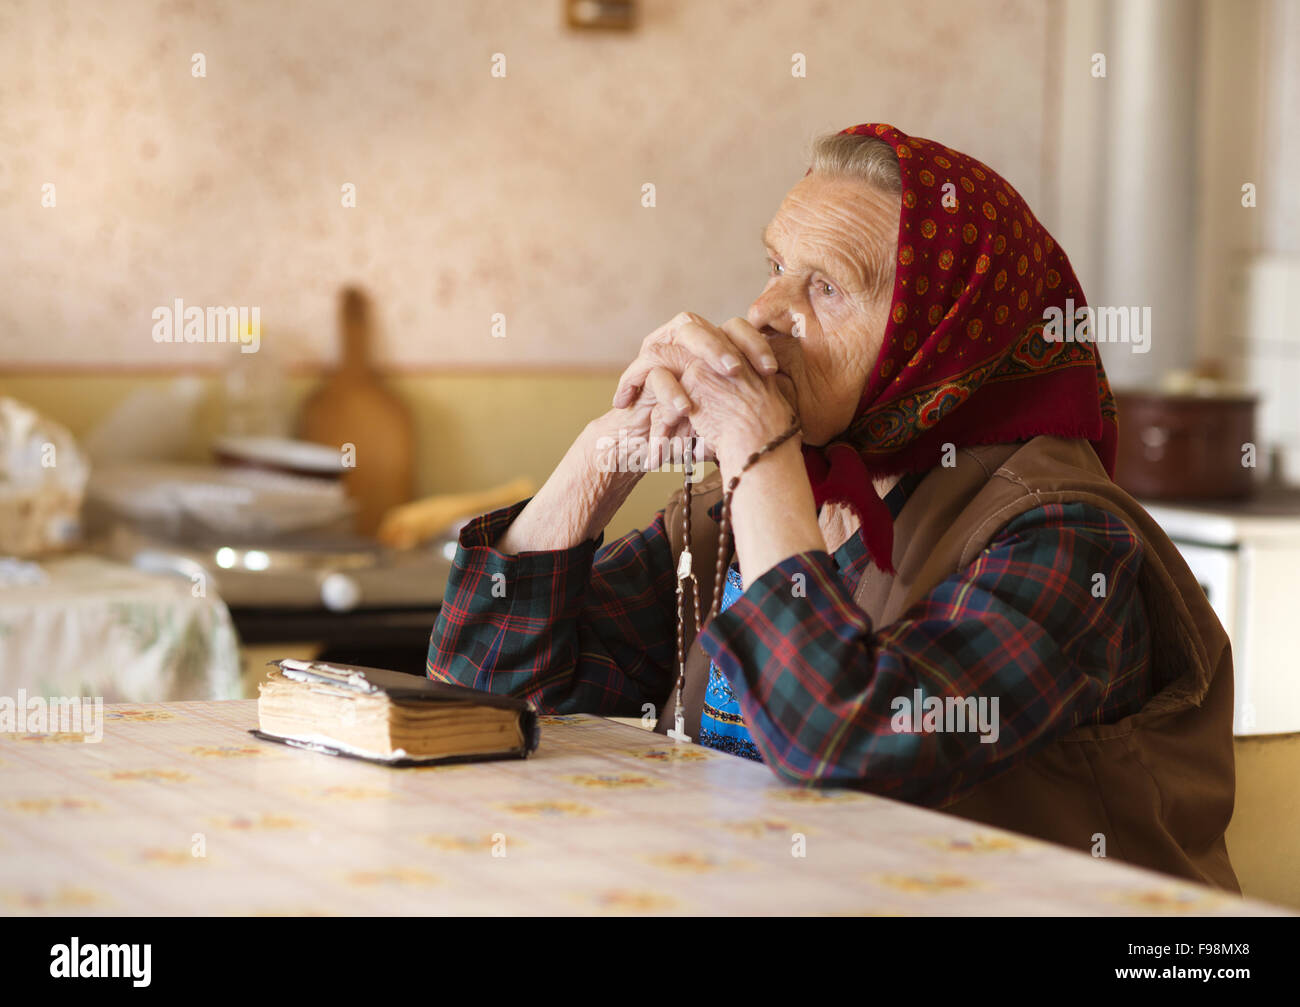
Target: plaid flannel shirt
x,y
592,629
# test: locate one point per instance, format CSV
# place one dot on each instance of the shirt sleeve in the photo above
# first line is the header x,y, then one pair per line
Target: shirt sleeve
x,y
1044,630
589,629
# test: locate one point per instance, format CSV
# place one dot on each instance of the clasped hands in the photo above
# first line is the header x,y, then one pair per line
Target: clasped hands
x,y
728,386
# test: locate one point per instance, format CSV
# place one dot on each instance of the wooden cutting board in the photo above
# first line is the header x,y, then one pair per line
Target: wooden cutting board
x,y
353,407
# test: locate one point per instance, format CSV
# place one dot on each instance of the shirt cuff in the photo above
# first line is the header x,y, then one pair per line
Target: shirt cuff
x,y
476,544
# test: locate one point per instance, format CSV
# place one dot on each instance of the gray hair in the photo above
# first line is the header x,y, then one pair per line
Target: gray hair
x,y
873,161
866,157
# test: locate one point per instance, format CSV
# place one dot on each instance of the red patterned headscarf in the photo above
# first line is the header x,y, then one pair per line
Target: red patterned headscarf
x,y
963,360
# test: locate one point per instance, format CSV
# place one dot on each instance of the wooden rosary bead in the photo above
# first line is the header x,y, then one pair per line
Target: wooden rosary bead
x,y
724,553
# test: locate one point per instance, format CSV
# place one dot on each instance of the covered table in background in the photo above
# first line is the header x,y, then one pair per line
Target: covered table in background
x,y
82,625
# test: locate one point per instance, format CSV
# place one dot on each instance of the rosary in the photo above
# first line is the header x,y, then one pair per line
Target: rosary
x,y
685,571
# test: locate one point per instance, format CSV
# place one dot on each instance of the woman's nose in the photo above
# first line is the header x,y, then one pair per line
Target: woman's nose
x,y
771,313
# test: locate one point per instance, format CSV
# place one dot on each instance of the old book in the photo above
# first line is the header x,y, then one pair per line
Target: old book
x,y
390,717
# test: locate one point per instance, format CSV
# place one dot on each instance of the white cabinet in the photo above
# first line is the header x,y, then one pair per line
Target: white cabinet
x,y
1248,563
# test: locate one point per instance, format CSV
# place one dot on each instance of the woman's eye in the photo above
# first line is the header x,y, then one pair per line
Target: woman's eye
x,y
825,288
774,268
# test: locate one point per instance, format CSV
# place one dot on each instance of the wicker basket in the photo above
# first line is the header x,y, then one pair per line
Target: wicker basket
x,y
38,521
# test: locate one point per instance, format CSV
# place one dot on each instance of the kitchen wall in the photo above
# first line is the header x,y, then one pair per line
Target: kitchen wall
x,y
478,195
474,194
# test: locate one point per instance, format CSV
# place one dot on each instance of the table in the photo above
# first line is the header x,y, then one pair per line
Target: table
x,y
178,810
89,626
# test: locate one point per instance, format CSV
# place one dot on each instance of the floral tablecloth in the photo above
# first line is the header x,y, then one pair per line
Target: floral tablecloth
x,y
179,810
82,625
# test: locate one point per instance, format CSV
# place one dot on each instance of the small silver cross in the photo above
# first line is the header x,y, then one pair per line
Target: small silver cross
x,y
678,733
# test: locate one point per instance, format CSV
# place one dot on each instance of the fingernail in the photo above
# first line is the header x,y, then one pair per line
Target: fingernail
x,y
730,362
682,403
769,363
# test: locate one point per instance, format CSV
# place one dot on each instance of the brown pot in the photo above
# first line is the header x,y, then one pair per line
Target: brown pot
x,y
1186,447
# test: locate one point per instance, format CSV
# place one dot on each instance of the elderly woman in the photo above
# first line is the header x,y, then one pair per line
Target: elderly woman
x,y
936,592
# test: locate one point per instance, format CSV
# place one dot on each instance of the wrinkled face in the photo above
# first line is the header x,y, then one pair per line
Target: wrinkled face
x,y
831,250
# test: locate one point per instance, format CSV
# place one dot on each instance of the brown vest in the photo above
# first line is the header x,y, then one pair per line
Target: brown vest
x,y
1158,785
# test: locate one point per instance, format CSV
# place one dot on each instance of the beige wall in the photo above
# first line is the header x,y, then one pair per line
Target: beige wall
x,y
1264,836
475,195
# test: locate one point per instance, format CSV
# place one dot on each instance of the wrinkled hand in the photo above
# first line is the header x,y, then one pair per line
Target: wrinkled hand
x,y
734,415
654,387
652,384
